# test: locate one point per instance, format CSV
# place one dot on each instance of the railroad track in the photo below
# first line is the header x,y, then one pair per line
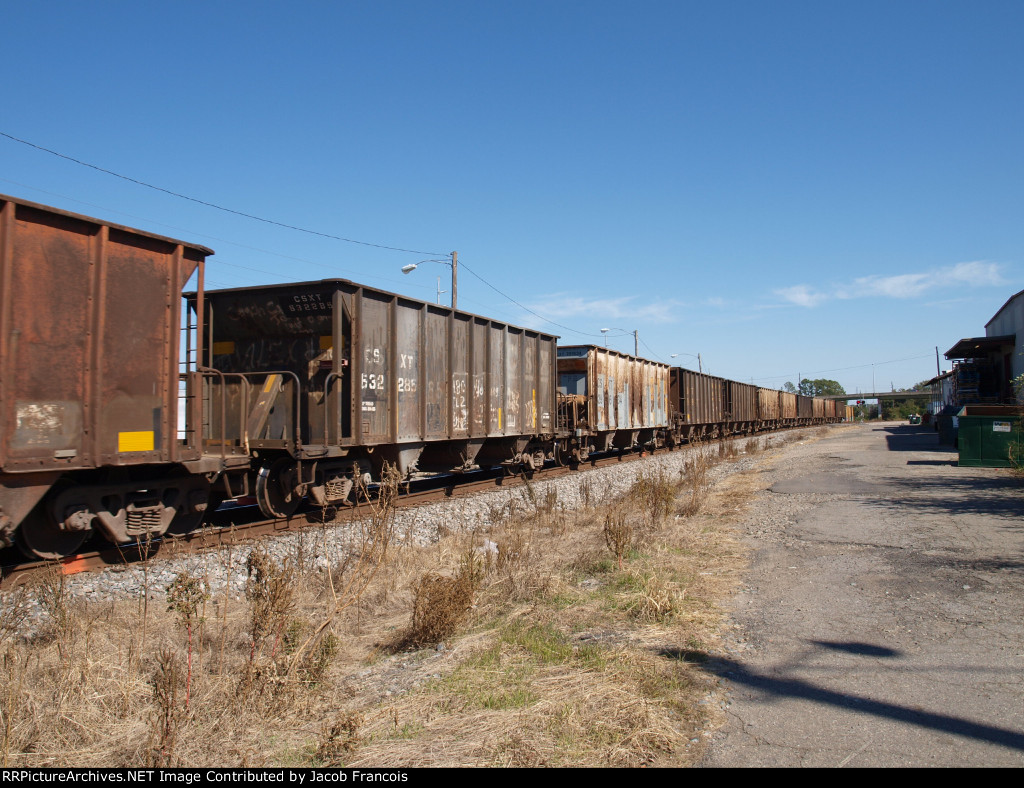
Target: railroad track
x,y
244,524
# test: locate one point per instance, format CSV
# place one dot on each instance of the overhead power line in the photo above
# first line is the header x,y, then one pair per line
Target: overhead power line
x,y
844,369
289,227
211,204
526,308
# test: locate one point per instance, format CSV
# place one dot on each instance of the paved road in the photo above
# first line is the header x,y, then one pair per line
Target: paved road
x,y
881,622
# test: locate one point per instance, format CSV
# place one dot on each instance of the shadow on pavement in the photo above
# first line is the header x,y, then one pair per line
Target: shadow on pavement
x,y
913,437
867,649
738,673
999,495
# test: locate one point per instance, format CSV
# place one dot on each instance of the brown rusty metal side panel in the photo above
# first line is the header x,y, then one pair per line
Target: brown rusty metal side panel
x,y
702,397
138,349
625,393
742,401
48,304
804,407
638,396
600,391
480,388
496,379
788,404
768,404
675,392
546,375
373,346
410,370
656,389
6,321
530,421
818,407
513,380
437,374
617,396
461,356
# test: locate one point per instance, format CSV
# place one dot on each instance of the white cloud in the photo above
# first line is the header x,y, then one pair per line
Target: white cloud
x,y
977,273
561,307
901,286
802,295
974,274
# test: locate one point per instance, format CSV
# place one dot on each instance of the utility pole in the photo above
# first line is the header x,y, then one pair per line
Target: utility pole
x,y
938,369
455,276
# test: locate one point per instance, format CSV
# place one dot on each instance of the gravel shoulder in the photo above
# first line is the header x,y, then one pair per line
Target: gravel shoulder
x,y
880,621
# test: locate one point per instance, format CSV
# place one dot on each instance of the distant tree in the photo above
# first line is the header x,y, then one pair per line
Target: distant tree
x,y
820,387
788,386
898,410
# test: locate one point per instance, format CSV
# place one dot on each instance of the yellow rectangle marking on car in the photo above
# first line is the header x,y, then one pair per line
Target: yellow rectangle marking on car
x,y
135,441
223,348
326,342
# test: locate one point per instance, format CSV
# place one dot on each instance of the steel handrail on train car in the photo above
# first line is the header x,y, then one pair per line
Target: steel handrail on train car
x,y
327,383
223,440
296,442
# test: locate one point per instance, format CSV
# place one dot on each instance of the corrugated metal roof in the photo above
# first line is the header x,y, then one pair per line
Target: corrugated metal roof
x,y
975,347
1008,300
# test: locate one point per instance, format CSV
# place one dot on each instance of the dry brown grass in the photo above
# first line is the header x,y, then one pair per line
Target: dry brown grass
x,y
694,482
441,604
519,643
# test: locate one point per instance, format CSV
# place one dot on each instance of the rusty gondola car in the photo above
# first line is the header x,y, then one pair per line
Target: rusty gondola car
x,y
769,408
742,408
322,383
89,382
699,404
609,400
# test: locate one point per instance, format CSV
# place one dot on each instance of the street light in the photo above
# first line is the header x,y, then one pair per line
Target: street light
x,y
700,368
636,338
453,263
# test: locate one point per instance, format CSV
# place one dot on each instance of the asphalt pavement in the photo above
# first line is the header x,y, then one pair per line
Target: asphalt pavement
x,y
881,620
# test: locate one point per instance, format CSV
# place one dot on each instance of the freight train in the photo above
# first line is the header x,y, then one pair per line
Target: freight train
x,y
288,392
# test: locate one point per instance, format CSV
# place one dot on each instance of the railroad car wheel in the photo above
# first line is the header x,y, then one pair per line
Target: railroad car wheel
x,y
561,459
39,537
275,489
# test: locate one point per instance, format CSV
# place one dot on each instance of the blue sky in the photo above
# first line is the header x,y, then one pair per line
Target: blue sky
x,y
823,188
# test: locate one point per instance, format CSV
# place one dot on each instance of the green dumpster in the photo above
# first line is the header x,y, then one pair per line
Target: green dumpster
x,y
990,435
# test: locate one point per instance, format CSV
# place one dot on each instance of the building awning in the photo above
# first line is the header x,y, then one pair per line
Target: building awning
x,y
977,347
937,378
